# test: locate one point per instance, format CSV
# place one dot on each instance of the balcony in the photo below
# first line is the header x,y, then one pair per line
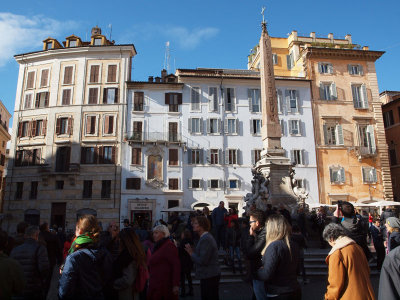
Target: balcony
x,y
363,151
153,137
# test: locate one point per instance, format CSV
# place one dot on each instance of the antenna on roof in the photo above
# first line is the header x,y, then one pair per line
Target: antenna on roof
x,y
110,26
166,57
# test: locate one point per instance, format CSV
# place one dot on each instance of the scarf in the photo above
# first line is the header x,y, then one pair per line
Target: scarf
x,y
82,241
159,244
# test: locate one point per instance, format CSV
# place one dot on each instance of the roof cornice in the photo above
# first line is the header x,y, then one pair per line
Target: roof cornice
x,y
320,52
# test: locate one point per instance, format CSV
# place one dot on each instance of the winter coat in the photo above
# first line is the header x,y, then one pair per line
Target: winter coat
x,y
348,277
53,247
124,283
11,277
255,244
279,269
218,215
184,257
389,281
394,240
35,265
205,257
85,273
233,237
164,269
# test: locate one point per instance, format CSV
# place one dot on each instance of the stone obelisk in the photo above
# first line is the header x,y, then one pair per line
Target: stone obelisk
x,y
273,165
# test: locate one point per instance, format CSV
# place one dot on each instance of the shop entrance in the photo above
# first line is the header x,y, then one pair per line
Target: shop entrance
x,y
58,211
142,218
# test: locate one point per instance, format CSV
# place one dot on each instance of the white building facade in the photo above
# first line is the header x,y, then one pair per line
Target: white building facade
x,y
191,140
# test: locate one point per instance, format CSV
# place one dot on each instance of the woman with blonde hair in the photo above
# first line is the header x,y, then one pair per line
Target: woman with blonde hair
x,y
130,258
87,268
280,256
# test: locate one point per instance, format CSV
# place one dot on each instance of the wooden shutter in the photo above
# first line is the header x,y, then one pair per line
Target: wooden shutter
x,y
111,125
179,98
100,152
106,124
66,96
349,68
105,95
38,156
88,125
113,154
30,80
68,75
69,130
320,67
19,129
93,95
94,74
44,78
116,95
167,98
37,100
112,73
44,128
58,126
33,128
46,99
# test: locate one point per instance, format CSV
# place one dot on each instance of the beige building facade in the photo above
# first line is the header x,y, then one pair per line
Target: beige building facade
x,y
65,152
4,138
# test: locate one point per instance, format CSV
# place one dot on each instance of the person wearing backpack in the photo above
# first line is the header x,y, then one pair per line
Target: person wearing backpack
x,y
88,267
128,265
34,261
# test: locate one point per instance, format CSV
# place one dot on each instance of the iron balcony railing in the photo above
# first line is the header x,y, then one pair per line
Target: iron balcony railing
x,y
139,136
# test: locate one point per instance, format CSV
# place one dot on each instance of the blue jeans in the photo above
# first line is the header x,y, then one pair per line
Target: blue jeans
x,y
259,290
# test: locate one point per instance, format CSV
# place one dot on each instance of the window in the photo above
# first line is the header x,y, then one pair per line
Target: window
x,y
88,155
173,203
254,100
300,183
173,100
42,99
28,101
94,74
66,97
93,95
333,134
392,157
23,129
63,158
229,97
49,45
231,126
388,119
44,78
34,190
195,156
360,98
30,81
107,154
214,183
231,156
59,184
366,139
138,101
297,157
195,183
292,101
132,183
136,156
87,189
255,156
325,68
213,156
196,125
19,191
38,128
112,73
280,101
212,99
290,60
274,58
355,69
173,184
173,131
91,124
97,42
137,131
30,157
64,126
214,126
233,184
72,43
327,91
105,189
68,71
195,99
255,126
337,175
294,127
173,157
110,96
369,175
108,124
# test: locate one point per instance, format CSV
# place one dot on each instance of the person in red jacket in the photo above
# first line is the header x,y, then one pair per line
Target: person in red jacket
x,y
164,267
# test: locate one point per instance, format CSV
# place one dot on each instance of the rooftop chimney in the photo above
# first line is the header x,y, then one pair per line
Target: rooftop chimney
x,y
163,74
158,79
150,78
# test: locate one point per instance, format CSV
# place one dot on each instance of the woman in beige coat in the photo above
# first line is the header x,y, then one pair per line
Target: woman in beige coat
x,y
348,277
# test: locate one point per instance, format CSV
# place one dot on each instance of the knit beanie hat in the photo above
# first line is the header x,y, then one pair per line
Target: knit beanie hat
x,y
393,222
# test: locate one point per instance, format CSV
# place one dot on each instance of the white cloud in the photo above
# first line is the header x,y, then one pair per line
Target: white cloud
x,y
190,39
21,33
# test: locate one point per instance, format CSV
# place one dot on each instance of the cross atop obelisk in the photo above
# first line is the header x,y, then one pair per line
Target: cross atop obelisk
x,y
271,130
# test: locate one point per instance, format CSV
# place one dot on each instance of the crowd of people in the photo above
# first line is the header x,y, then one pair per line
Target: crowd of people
x,y
267,247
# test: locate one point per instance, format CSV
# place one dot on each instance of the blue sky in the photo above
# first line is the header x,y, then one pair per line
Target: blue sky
x,y
217,34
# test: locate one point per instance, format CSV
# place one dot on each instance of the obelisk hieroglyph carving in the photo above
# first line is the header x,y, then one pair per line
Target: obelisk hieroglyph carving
x,y
271,129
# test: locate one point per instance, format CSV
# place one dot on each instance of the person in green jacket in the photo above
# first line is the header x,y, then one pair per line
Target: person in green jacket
x,y
12,279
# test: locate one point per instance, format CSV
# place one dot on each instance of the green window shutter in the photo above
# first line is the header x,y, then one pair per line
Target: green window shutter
x,y
190,183
201,158
219,125
350,69
249,94
253,157
251,127
226,156
189,153
371,139
237,126
330,69
289,62
374,175
364,174
331,175
280,101
226,126
208,156
339,134
342,175
320,67
364,96
361,70
297,101
290,126
190,125
321,91
325,134
208,125
287,99
333,91
201,125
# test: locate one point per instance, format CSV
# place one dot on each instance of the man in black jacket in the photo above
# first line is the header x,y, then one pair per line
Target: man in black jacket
x,y
255,244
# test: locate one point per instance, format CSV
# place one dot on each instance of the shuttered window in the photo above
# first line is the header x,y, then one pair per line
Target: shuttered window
x,y
173,184
44,78
93,95
66,97
90,124
138,101
94,74
42,99
109,124
173,157
136,156
132,183
68,75
31,80
112,73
